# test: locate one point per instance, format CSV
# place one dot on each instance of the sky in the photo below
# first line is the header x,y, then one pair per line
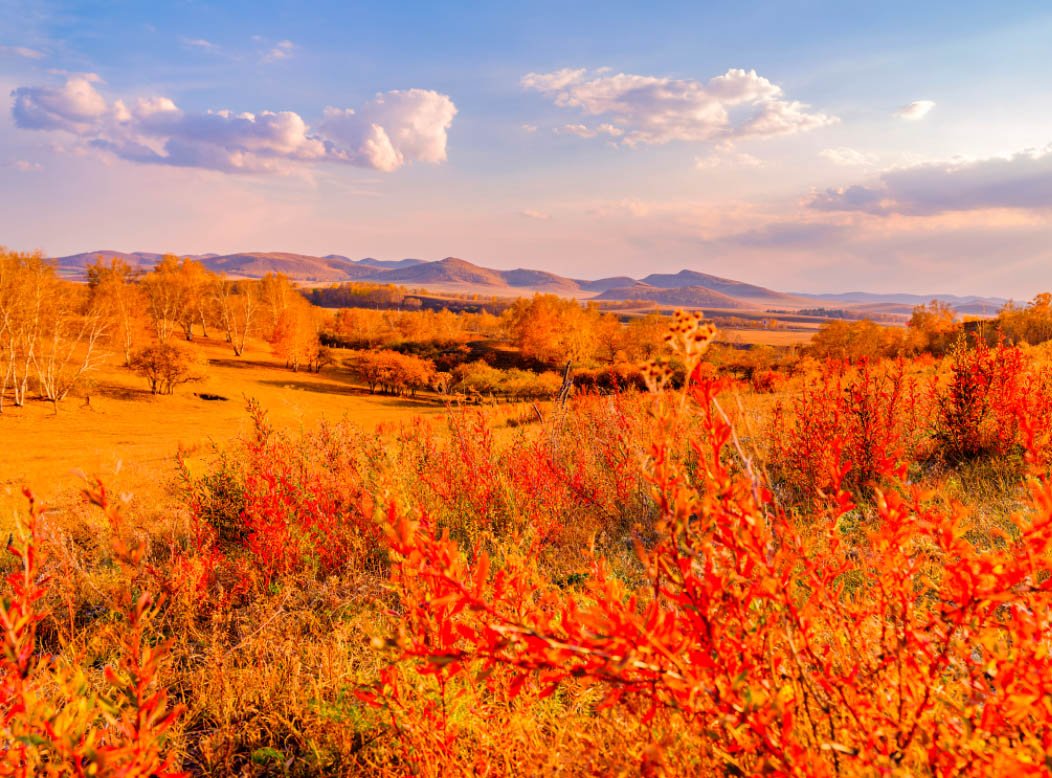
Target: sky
x,y
804,145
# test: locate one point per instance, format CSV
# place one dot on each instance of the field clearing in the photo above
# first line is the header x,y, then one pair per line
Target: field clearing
x,y
130,438
762,337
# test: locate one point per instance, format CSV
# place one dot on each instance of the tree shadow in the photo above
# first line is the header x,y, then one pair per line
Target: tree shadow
x,y
317,387
351,391
116,392
243,364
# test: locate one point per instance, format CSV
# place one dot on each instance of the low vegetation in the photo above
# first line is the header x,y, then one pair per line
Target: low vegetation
x,y
702,560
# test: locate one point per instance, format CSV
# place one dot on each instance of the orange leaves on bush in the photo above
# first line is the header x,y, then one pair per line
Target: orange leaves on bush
x,y
51,720
904,646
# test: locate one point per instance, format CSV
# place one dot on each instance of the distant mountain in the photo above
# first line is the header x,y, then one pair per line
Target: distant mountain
x,y
541,281
604,284
958,302
445,273
727,286
299,266
687,296
688,288
75,265
385,264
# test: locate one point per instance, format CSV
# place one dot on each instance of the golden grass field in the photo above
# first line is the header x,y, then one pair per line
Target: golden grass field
x,y
130,437
763,337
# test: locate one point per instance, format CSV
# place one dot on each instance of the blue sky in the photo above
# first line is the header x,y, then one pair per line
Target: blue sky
x,y
815,146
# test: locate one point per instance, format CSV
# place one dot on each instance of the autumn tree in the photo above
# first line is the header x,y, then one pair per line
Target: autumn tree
x,y
238,305
1029,324
198,288
294,334
479,378
855,340
391,372
166,366
551,329
276,292
643,337
933,328
48,329
165,297
359,327
72,329
119,300
24,286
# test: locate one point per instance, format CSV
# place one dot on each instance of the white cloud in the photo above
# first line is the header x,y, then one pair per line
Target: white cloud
x,y
530,128
727,159
22,51
75,106
531,213
847,157
390,131
655,110
199,43
282,50
1022,182
553,82
583,131
25,166
918,109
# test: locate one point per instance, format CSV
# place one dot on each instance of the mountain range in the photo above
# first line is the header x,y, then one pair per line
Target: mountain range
x,y
687,288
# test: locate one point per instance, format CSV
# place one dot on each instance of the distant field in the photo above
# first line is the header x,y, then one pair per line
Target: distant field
x,y
761,337
130,437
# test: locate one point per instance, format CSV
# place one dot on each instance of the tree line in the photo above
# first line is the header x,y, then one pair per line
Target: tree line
x,y
53,332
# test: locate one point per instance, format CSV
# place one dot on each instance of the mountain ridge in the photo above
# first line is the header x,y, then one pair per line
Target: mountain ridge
x,y
689,288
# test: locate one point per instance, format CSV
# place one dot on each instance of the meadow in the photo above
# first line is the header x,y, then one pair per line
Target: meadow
x,y
117,430
385,555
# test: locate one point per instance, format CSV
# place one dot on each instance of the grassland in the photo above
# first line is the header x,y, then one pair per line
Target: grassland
x,y
765,337
132,437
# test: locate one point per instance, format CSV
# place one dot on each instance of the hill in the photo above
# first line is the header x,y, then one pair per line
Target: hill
x,y
382,264
445,273
541,281
605,284
299,266
453,275
74,266
737,289
685,296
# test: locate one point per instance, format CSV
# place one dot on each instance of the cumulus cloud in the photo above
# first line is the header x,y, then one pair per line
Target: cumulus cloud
x,y
281,50
390,131
1022,181
75,106
847,157
22,51
656,110
918,109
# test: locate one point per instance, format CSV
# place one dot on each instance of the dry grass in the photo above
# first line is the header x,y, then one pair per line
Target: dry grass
x,y
762,337
131,437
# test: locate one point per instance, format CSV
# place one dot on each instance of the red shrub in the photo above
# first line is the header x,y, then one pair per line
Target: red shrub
x,y
906,648
850,426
